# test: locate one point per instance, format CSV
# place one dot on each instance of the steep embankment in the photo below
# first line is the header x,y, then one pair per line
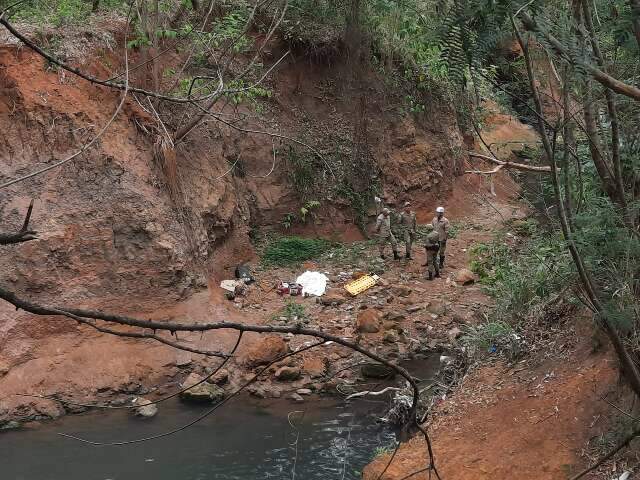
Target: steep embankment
x,y
118,231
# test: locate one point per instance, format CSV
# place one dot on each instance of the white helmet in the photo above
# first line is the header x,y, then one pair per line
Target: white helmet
x,y
440,210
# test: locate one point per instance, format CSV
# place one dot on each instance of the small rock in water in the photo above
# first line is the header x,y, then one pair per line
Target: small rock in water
x,y
145,409
296,398
303,391
11,425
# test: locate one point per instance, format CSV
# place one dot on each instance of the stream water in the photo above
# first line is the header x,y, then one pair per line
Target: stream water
x,y
245,440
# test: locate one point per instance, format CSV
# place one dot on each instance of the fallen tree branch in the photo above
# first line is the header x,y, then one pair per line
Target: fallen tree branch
x,y
516,166
24,234
372,393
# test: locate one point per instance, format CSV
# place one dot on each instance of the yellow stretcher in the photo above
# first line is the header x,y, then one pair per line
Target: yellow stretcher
x,y
361,284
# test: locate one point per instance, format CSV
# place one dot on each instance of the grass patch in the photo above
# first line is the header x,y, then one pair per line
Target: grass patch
x,y
62,12
492,337
283,251
292,312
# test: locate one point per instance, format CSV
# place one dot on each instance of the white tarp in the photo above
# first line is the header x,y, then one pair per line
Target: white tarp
x,y
313,283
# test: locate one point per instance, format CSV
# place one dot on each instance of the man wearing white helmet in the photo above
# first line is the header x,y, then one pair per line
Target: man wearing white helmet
x,y
441,225
383,229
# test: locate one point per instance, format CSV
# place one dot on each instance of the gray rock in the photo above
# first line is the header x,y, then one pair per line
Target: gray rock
x,y
390,336
414,308
201,393
220,378
145,408
303,391
287,374
296,397
11,425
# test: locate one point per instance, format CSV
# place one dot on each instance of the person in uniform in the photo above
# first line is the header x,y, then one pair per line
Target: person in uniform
x,y
441,225
432,246
408,223
385,235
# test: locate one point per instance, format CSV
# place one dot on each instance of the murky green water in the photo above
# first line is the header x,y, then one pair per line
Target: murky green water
x,y
244,440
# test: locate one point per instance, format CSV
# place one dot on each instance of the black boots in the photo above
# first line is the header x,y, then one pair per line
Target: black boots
x,y
441,261
395,255
430,276
407,255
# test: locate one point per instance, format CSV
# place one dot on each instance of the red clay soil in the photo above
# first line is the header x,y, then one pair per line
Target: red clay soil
x,y
514,422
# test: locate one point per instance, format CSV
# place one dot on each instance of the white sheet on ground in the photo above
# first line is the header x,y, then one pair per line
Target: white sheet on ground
x,y
313,283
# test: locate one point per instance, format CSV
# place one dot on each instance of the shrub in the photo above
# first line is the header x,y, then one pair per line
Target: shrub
x,y
289,250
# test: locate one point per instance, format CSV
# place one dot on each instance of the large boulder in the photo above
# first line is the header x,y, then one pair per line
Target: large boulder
x,y
288,374
266,350
332,297
314,366
144,408
368,321
201,392
464,276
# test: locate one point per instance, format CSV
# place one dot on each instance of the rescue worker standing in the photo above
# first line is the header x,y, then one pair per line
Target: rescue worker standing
x,y
383,229
441,225
432,246
408,223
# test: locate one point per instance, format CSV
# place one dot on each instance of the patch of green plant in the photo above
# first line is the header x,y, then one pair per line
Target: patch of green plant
x,y
306,211
302,171
292,312
288,219
493,337
383,451
61,12
284,251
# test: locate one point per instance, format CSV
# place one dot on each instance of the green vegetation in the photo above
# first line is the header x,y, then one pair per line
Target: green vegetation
x,y
522,274
492,336
284,251
62,12
383,451
292,312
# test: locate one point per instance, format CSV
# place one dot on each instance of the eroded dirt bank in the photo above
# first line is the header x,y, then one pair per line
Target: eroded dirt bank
x,y
117,233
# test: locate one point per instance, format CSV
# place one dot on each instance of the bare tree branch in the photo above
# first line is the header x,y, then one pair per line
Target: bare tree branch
x,y
24,234
227,357
506,164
